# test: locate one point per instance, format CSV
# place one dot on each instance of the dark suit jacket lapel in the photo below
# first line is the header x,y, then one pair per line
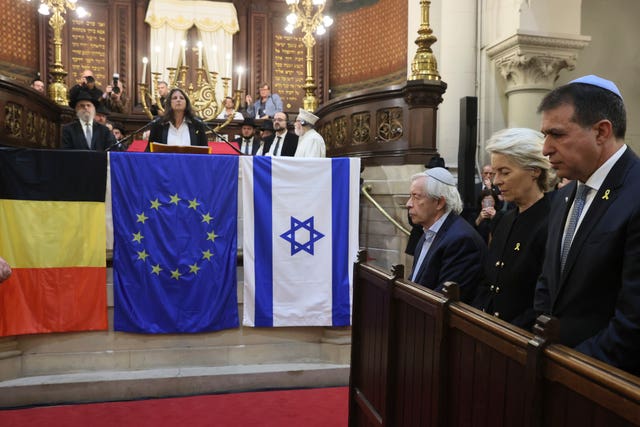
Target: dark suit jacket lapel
x,y
416,255
601,202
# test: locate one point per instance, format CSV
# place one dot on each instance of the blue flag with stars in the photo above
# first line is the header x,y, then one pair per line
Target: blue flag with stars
x,y
175,242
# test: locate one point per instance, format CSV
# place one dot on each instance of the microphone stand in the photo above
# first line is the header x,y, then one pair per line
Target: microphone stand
x,y
222,137
120,143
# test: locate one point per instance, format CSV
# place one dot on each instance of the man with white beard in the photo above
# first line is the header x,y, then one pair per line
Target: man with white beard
x,y
85,133
310,143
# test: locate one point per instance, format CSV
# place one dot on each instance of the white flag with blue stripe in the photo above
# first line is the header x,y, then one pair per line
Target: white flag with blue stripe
x,y
300,239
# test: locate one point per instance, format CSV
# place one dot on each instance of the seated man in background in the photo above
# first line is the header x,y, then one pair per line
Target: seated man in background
x,y
229,110
86,83
282,142
267,106
249,143
163,91
38,85
450,249
114,99
85,133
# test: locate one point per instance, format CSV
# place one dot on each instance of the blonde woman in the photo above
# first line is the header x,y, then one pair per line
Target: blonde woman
x,y
516,252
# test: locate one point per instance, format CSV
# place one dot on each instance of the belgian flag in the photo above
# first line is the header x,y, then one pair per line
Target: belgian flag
x,y
52,233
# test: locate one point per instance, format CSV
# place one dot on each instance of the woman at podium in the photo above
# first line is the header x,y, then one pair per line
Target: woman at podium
x,y
178,125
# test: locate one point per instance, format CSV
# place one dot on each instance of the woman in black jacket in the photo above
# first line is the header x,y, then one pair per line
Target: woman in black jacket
x,y
516,250
179,125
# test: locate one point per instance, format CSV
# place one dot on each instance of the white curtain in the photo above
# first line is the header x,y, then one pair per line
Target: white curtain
x,y
170,20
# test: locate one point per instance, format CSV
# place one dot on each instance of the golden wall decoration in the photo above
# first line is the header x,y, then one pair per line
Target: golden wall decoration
x,y
30,127
13,119
390,126
361,128
327,134
36,128
340,131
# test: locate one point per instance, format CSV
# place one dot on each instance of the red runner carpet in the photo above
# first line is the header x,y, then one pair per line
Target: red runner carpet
x,y
323,407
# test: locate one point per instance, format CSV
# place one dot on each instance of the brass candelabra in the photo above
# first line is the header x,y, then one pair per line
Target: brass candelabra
x,y
202,95
57,8
307,14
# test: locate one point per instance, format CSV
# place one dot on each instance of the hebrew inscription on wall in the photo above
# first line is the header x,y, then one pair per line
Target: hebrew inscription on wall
x,y
289,59
88,47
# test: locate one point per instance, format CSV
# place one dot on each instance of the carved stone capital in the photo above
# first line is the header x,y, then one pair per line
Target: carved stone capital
x,y
532,62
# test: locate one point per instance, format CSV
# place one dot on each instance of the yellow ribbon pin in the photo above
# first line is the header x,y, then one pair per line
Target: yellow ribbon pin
x,y
517,248
605,196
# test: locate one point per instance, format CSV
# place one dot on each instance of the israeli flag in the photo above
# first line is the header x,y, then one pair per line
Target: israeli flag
x,y
300,239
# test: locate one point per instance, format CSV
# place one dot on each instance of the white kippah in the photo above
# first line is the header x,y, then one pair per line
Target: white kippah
x,y
308,117
594,80
442,175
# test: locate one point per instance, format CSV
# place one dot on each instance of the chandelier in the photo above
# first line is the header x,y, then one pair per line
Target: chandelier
x,y
307,14
57,8
201,93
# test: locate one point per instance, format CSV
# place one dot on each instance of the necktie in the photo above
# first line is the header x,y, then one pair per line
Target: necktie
x,y
88,133
428,238
578,205
275,150
246,146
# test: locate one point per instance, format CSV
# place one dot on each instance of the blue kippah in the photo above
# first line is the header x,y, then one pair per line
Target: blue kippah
x,y
594,80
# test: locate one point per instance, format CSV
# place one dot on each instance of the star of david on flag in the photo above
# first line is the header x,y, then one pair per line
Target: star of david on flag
x,y
312,236
175,248
300,240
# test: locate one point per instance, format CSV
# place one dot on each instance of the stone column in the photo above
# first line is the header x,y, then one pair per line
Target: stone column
x,y
530,64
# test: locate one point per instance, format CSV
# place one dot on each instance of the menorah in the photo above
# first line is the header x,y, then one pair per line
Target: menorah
x,y
202,95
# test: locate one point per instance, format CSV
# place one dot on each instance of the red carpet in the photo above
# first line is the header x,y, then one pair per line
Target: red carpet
x,y
324,407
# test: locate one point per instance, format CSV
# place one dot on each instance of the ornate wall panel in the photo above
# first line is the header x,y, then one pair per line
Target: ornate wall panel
x,y
369,47
19,53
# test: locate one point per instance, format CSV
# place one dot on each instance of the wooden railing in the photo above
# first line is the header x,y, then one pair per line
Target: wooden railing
x,y
30,119
420,358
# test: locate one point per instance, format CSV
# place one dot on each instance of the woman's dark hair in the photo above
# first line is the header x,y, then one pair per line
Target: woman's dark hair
x,y
169,115
488,192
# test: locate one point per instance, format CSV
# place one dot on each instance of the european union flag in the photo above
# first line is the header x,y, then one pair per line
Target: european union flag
x,y
175,242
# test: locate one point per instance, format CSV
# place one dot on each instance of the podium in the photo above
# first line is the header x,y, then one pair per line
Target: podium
x,y
185,149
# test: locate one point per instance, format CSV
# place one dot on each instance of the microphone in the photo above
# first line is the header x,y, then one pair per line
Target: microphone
x,y
121,143
222,137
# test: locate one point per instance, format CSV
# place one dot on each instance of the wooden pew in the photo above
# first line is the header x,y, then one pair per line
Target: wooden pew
x,y
420,358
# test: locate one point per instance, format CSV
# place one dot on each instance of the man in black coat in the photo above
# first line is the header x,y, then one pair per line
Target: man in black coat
x,y
282,142
85,133
249,143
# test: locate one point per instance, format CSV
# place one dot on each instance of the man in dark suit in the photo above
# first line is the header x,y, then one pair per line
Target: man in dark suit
x,y
450,249
85,133
282,142
590,278
249,143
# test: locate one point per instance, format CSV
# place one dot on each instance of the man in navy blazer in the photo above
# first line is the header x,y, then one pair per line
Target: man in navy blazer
x,y
450,249
74,134
591,281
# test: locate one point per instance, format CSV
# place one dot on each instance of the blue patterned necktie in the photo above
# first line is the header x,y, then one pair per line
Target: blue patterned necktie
x,y
578,205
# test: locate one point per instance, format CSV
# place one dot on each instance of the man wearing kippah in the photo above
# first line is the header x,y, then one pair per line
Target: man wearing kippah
x,y
450,249
590,277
